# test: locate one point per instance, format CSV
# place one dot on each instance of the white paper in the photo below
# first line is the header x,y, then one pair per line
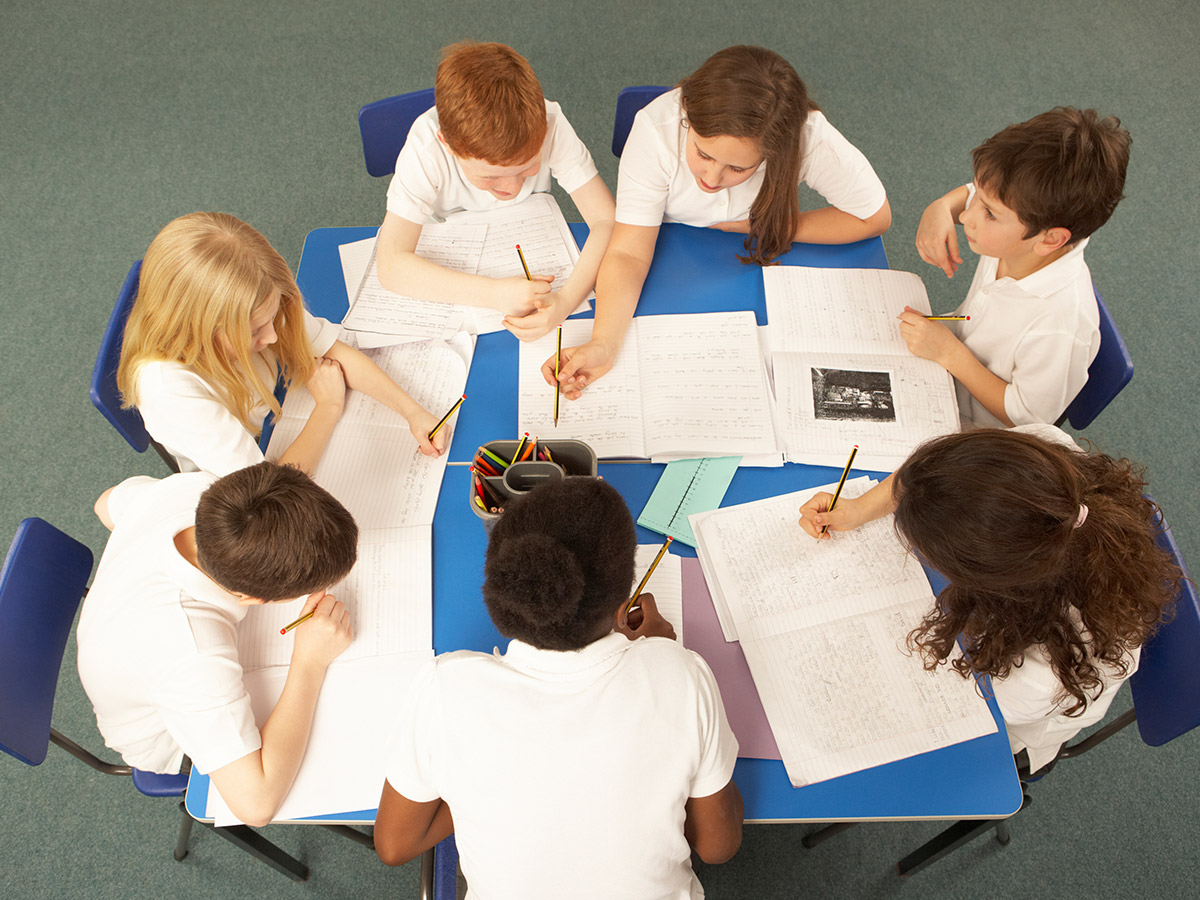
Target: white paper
x,y
666,584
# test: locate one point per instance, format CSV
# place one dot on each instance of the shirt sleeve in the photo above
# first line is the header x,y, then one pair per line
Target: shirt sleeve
x,y
839,172
718,746
128,497
1049,368
420,174
322,333
570,162
413,751
644,175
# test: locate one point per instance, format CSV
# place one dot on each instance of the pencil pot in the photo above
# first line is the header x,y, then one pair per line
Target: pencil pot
x,y
546,461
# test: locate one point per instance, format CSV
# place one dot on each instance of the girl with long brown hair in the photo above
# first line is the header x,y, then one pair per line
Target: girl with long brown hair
x,y
726,149
1055,577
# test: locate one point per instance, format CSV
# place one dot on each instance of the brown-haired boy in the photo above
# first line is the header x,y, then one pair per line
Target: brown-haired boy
x,y
158,633
1041,188
490,141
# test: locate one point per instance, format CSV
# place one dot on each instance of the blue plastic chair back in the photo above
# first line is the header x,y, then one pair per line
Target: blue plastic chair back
x,y
629,101
1166,686
43,580
384,125
1109,372
445,870
104,393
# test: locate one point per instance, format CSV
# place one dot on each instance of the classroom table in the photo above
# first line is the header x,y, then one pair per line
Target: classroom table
x,y
694,270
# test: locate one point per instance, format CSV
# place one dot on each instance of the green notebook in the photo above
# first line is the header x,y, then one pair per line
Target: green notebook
x,y
687,486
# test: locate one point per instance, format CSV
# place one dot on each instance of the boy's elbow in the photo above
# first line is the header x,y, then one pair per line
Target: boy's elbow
x,y
392,852
720,848
881,221
254,814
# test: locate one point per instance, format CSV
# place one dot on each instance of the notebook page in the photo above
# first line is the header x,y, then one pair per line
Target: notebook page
x,y
847,695
704,389
840,310
607,416
885,404
666,584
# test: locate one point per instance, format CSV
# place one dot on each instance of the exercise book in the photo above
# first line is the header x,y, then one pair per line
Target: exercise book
x,y
687,486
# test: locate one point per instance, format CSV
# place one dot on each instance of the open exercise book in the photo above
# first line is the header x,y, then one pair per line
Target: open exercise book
x,y
823,626
843,374
682,386
479,243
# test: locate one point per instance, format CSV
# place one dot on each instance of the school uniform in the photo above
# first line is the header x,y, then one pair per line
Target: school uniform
x,y
567,772
429,183
157,638
185,414
654,184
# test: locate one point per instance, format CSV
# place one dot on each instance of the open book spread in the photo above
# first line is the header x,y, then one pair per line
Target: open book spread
x,y
478,243
843,374
823,626
682,386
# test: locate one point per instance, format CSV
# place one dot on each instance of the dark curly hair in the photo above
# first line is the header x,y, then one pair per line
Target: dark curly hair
x,y
559,563
995,512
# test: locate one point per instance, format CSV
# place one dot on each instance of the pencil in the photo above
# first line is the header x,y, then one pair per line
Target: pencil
x,y
948,318
528,277
641,584
837,493
520,447
304,618
557,357
453,410
479,503
485,467
531,450
493,457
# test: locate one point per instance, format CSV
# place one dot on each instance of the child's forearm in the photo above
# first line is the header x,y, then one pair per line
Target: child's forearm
x,y
985,386
305,451
362,374
618,288
955,201
831,225
406,273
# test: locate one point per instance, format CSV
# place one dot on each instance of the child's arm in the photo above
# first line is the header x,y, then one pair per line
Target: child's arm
x,y
937,239
328,389
618,286
595,203
644,620
362,374
829,225
101,509
402,271
713,824
256,784
850,512
404,829
933,340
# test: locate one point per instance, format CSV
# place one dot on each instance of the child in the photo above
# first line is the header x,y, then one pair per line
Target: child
x,y
1055,577
158,633
491,141
217,312
726,149
583,762
1041,187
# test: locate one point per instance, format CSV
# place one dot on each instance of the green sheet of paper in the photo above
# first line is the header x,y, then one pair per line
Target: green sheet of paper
x,y
687,486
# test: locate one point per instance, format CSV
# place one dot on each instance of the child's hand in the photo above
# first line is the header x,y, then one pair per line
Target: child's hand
x,y
518,296
420,424
928,340
578,367
815,514
321,639
739,226
937,238
328,384
536,324
644,620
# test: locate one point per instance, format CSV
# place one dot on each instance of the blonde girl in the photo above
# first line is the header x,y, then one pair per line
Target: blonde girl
x,y
217,315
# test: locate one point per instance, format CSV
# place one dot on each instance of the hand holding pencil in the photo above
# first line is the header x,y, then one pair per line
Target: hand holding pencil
x,y
324,632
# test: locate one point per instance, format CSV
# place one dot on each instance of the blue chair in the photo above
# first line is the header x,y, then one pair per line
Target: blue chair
x,y
629,101
44,578
1166,704
439,871
1109,372
104,393
384,125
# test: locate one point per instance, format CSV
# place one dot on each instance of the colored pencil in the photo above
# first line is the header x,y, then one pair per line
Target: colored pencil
x,y
531,450
557,357
641,584
520,447
948,318
453,410
493,457
841,481
304,618
528,277
485,467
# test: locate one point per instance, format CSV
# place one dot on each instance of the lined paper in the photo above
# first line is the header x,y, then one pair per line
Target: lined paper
x,y
665,584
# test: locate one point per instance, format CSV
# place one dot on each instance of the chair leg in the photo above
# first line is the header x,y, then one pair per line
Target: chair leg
x,y
824,834
263,850
426,884
185,832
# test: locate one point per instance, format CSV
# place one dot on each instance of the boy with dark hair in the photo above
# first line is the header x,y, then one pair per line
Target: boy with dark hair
x,y
491,141
158,633
593,756
1041,188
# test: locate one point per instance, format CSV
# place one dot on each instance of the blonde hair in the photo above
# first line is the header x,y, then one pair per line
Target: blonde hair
x,y
204,276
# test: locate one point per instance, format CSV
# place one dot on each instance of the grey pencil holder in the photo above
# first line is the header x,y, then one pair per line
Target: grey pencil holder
x,y
564,459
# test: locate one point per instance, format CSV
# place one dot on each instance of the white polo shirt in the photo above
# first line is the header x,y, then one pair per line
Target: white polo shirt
x,y
158,639
1039,333
430,185
567,773
654,184
185,414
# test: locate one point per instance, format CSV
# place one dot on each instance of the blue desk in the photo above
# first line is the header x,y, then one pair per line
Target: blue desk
x,y
695,270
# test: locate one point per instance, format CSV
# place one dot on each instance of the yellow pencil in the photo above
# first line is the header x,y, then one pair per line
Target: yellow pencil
x,y
641,584
304,618
453,409
841,481
557,357
528,277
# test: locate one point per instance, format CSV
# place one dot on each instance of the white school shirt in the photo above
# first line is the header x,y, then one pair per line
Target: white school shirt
x,y
185,414
157,638
567,772
1039,333
654,184
430,185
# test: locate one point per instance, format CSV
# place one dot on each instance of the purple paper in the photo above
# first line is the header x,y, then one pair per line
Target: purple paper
x,y
702,633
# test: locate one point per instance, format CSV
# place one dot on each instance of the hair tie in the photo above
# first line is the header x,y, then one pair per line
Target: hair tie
x,y
1082,517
